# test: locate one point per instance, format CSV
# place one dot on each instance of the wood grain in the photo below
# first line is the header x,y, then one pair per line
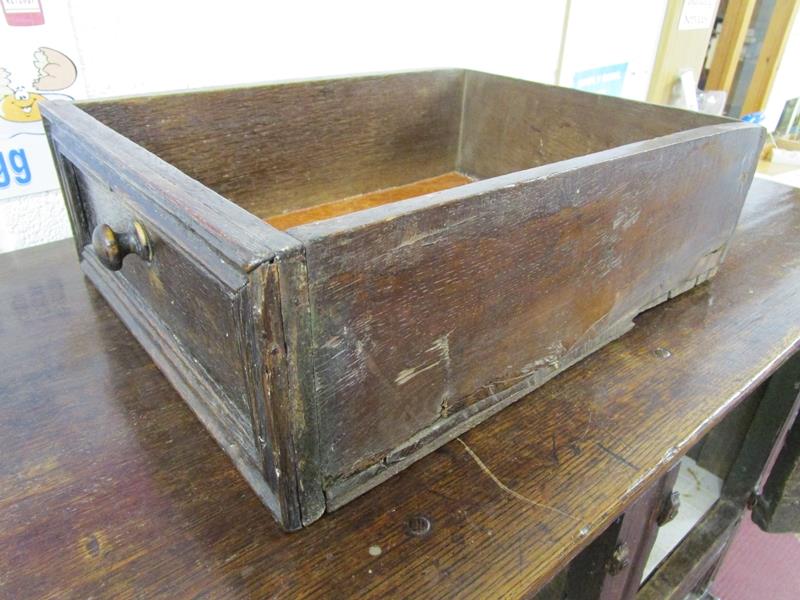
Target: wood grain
x,y
432,313
380,334
217,226
109,487
192,306
509,125
345,206
277,148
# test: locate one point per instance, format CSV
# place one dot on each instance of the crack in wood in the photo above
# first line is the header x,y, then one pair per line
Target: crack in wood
x,y
618,457
507,489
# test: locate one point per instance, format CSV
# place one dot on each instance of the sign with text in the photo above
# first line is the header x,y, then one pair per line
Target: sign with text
x,y
697,14
606,80
37,47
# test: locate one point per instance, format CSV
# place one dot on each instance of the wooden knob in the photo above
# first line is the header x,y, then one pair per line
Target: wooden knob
x,y
620,559
111,247
669,508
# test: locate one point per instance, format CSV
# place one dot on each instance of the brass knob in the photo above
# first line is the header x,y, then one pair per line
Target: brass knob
x,y
669,509
111,247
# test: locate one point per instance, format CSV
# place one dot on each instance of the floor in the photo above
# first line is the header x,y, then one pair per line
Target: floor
x,y
760,565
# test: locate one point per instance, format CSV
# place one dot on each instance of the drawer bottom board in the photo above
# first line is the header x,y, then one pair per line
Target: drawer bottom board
x,y
337,208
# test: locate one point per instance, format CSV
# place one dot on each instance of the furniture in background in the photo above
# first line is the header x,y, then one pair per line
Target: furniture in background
x,y
110,487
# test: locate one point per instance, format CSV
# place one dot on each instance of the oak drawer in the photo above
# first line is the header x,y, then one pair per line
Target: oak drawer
x,y
340,276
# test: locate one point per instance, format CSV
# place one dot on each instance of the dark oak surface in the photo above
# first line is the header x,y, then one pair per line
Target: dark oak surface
x,y
268,147
431,314
109,487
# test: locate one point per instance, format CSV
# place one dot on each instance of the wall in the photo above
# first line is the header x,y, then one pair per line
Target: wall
x,y
612,32
137,47
151,45
682,46
154,45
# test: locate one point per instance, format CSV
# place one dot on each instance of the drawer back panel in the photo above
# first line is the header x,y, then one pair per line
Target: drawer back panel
x,y
275,148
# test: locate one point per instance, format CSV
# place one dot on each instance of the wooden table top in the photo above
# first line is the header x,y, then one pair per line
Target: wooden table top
x,y
109,487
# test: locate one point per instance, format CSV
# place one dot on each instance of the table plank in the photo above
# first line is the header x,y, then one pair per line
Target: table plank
x,y
109,487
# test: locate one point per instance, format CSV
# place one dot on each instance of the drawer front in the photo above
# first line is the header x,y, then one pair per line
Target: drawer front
x,y
186,298
185,270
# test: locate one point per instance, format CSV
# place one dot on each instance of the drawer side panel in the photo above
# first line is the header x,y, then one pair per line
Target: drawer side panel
x,y
509,125
435,312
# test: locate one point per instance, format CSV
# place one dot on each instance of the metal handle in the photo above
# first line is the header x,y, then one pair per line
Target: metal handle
x,y
111,247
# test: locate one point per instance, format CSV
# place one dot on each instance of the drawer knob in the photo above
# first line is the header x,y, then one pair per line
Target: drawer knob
x,y
620,559
111,247
669,508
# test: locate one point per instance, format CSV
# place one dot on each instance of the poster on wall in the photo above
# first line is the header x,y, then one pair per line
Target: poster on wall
x,y
606,80
610,47
37,60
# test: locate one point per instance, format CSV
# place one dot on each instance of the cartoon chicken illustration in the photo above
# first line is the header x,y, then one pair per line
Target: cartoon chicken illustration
x,y
56,72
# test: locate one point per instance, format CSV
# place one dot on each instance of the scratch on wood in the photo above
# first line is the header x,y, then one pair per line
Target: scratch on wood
x,y
407,375
621,459
507,489
554,449
627,217
588,426
440,346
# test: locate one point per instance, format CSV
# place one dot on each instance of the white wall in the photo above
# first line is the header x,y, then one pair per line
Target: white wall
x,y
32,219
131,47
609,32
787,81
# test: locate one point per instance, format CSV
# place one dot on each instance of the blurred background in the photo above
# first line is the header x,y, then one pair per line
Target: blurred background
x,y
740,57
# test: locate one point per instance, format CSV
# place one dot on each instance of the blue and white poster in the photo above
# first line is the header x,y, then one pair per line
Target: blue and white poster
x,y
37,61
606,80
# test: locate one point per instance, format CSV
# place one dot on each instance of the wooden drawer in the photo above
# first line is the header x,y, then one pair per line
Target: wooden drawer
x,y
340,276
